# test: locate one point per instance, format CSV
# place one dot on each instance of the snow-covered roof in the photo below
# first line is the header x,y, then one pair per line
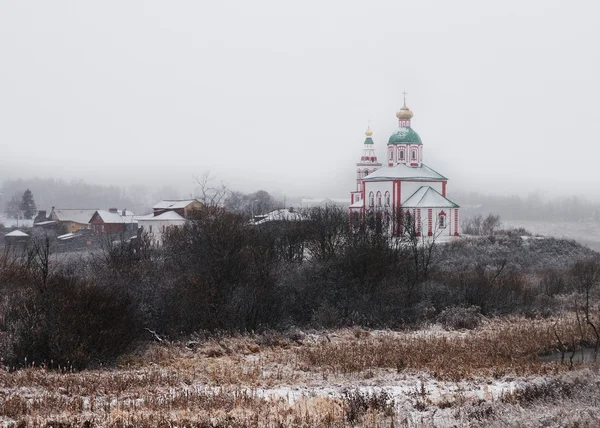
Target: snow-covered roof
x,y
427,197
404,172
66,237
358,204
45,223
81,216
281,215
173,204
16,234
167,215
112,217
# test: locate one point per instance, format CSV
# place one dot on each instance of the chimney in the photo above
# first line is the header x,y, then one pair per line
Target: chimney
x,y
112,210
124,212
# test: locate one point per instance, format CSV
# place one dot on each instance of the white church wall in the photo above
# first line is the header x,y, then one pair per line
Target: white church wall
x,y
378,186
437,229
409,187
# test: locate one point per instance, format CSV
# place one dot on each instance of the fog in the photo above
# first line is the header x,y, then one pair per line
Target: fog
x,y
277,95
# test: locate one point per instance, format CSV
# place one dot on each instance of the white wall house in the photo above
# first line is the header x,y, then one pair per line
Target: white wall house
x,y
157,225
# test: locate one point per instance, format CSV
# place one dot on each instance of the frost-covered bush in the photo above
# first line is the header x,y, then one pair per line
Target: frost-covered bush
x,y
67,323
458,318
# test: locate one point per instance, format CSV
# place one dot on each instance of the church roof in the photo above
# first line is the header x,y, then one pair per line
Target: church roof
x,y
404,135
404,172
427,197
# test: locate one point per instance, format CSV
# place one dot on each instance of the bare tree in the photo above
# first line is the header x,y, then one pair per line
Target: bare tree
x,y
490,224
587,275
210,194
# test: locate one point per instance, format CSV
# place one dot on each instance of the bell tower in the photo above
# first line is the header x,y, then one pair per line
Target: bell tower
x,y
368,164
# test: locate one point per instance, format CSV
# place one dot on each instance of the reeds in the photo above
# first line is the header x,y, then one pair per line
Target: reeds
x,y
272,381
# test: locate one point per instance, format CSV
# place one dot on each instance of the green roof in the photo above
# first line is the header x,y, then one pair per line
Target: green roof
x,y
368,140
405,135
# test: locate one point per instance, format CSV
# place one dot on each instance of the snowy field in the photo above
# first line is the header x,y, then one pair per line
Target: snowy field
x,y
586,232
491,376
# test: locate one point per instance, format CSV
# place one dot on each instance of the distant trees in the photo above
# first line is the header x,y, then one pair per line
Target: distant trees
x,y
13,207
249,204
27,205
477,225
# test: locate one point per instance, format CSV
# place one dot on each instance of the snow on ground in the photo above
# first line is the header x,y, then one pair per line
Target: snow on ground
x,y
586,232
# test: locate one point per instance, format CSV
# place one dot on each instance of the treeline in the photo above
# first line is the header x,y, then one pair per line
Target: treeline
x,y
219,273
532,207
79,194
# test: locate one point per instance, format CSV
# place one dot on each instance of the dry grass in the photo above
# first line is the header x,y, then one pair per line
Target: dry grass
x,y
501,348
254,380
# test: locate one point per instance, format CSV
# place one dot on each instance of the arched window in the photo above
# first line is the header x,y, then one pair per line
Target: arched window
x,y
378,199
442,220
371,199
365,172
414,155
387,199
401,154
391,154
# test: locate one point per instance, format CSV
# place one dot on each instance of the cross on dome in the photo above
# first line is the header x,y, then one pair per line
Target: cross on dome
x,y
404,114
368,132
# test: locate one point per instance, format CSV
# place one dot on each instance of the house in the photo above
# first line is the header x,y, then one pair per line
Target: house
x,y
16,237
113,221
280,215
184,207
156,225
73,219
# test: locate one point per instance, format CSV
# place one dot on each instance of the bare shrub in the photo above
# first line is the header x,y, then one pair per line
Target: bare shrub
x,y
458,317
69,323
358,403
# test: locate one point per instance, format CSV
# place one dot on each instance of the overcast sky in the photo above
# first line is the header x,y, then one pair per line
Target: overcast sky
x,y
276,95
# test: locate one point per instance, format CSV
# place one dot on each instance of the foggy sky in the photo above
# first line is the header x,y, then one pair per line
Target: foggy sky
x,y
277,95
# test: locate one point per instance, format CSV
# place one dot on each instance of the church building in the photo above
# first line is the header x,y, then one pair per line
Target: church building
x,y
405,187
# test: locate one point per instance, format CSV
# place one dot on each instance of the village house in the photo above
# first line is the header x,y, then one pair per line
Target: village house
x,y
184,207
113,221
156,225
73,219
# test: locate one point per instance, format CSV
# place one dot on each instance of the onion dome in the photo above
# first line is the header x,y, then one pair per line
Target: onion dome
x,y
368,132
404,113
405,135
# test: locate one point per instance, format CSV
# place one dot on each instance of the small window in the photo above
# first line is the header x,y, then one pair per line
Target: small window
x,y
371,199
442,221
387,199
378,199
365,172
414,155
391,155
150,229
401,154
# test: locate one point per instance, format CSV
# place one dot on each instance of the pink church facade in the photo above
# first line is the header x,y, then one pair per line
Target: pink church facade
x,y
405,186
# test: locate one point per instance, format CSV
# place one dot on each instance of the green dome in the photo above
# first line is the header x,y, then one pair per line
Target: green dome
x,y
405,135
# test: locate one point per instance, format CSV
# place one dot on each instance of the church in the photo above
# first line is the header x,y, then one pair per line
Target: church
x,y
405,188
